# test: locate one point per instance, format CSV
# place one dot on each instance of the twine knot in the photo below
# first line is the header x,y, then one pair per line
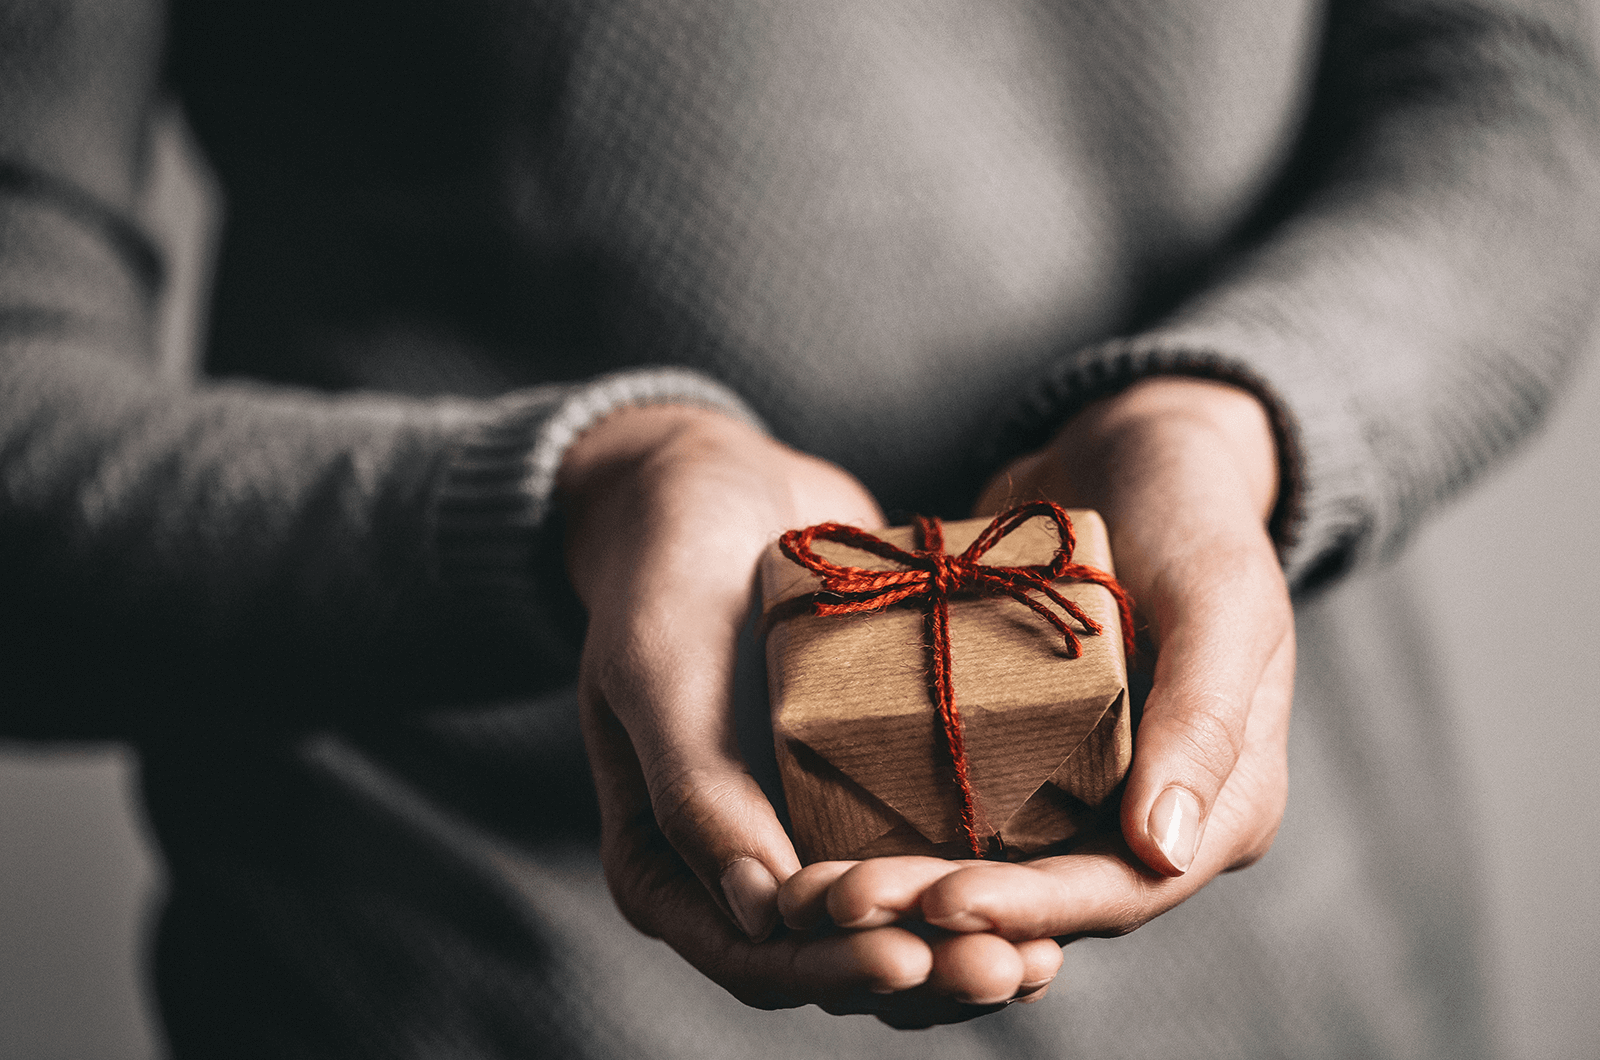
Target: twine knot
x,y
951,575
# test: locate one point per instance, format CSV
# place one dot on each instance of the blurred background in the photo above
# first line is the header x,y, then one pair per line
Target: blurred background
x,y
79,880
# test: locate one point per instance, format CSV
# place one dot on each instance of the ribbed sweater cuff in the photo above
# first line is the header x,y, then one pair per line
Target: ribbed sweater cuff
x,y
492,531
1106,369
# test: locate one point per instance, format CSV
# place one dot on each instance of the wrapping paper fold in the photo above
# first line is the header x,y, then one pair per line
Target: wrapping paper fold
x,y
864,765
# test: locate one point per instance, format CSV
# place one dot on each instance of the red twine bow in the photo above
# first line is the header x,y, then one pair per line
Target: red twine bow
x,y
930,576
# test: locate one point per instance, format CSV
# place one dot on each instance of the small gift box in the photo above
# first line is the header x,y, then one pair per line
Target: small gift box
x,y
955,689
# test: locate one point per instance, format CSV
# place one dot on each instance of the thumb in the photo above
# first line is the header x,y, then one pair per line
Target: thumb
x,y
1220,621
701,793
719,821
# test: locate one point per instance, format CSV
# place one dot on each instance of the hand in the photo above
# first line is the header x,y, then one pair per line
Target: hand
x,y
1185,473
883,970
668,510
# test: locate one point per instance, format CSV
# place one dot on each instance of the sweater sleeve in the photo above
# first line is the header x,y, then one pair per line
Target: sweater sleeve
x,y
174,549
1417,288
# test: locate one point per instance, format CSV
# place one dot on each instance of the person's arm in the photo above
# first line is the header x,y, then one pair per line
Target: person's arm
x,y
1400,319
171,548
1418,287
276,555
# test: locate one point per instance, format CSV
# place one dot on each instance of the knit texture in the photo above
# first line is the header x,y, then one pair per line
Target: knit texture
x,y
1422,181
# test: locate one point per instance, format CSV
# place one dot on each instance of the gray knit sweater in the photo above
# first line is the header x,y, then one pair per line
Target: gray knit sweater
x,y
322,588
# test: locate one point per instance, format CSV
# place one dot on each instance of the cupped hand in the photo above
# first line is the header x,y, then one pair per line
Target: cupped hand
x,y
886,970
1185,473
668,509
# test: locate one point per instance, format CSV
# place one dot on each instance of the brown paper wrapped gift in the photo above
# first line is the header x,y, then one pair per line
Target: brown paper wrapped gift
x,y
867,767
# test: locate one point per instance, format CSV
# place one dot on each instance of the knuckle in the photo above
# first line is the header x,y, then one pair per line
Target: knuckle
x,y
689,801
1125,918
616,669
1135,906
1210,735
674,801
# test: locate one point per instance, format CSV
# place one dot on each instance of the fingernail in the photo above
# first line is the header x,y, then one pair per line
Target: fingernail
x,y
961,920
1175,826
752,894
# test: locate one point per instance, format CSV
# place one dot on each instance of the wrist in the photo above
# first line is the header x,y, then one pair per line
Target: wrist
x,y
640,473
634,435
1215,432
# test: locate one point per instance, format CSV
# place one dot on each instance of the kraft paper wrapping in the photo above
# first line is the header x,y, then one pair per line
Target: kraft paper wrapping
x,y
864,765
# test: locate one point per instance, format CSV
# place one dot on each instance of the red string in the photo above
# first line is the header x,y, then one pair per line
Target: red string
x,y
929,575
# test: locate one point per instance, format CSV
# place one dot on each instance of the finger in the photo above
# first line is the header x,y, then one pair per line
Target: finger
x,y
1078,894
1221,614
976,969
1102,889
672,694
719,820
845,970
882,961
1041,961
662,898
926,1007
627,823
803,898
1251,807
882,890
